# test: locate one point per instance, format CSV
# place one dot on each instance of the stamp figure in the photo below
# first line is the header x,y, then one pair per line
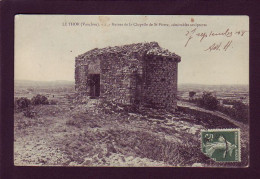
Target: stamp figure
x,y
221,145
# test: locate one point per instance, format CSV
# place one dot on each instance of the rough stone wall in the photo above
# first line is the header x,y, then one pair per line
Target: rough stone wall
x,y
160,82
118,78
133,74
84,67
81,71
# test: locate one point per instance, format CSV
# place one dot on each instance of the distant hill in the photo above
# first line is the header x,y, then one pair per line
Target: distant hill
x,y
181,87
29,83
205,87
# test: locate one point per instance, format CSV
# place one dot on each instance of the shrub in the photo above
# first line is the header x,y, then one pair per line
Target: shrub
x,y
239,111
22,103
53,102
229,101
29,113
192,94
208,101
39,99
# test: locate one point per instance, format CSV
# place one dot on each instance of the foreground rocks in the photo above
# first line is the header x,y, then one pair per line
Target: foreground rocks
x,y
95,134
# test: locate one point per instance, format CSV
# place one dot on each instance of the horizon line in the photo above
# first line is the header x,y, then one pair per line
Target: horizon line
x,y
190,83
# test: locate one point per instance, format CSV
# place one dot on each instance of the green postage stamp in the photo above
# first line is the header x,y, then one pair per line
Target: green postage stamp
x,y
221,145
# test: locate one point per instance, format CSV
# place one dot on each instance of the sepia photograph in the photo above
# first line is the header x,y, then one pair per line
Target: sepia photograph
x,y
131,91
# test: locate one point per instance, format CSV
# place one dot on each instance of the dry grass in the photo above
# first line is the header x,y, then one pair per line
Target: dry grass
x,y
104,134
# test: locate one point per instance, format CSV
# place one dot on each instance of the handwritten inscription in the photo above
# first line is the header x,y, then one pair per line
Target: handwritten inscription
x,y
224,45
218,46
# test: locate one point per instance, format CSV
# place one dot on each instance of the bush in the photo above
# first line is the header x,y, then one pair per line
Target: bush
x,y
29,113
239,111
39,99
22,103
208,101
53,102
229,101
192,94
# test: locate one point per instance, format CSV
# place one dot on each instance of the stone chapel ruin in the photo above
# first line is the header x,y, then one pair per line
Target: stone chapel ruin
x,y
135,74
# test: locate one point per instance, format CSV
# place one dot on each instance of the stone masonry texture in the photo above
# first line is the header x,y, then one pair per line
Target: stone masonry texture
x,y
136,74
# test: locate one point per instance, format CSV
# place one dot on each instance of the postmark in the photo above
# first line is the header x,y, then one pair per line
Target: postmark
x,y
221,145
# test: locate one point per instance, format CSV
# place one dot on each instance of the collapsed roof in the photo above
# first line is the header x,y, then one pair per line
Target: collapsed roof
x,y
149,49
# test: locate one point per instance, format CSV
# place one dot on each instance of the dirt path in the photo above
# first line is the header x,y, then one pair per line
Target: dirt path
x,y
216,113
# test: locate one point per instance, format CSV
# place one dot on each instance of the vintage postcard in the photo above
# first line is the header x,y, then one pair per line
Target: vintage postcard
x,y
131,91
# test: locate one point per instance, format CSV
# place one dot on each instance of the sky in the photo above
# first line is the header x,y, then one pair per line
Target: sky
x,y
217,52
